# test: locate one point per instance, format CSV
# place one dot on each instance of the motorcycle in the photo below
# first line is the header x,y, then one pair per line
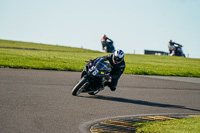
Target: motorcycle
x,y
108,46
176,51
179,52
93,77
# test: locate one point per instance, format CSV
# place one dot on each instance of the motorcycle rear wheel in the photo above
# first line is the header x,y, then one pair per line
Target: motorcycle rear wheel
x,y
79,86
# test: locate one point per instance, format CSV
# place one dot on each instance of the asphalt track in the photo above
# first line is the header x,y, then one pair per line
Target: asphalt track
x,y
40,101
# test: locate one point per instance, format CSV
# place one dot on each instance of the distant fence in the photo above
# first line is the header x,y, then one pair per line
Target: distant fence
x,y
153,52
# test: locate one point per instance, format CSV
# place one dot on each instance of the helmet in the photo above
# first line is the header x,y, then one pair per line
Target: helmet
x,y
104,36
118,56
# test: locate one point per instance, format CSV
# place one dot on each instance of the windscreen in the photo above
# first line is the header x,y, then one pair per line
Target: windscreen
x,y
102,64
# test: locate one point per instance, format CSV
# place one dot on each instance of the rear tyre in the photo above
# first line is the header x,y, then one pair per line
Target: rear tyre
x,y
79,87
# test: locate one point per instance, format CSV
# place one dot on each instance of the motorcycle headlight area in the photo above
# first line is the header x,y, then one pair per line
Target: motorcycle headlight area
x,y
102,73
95,72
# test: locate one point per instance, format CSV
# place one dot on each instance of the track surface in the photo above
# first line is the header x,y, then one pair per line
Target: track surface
x,y
41,101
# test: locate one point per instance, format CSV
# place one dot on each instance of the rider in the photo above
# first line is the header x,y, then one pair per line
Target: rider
x,y
118,65
172,48
104,41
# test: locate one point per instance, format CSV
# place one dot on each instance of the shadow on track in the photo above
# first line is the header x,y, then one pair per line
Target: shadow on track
x,y
140,102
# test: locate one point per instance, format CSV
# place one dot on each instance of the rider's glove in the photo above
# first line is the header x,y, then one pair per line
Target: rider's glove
x,y
91,60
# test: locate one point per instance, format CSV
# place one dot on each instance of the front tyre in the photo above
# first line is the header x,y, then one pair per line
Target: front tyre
x,y
94,93
79,87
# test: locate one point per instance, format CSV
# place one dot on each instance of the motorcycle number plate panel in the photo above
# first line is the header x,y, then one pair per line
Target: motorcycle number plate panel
x,y
92,68
95,72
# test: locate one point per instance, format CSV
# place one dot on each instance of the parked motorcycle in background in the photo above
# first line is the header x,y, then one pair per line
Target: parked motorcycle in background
x,y
93,77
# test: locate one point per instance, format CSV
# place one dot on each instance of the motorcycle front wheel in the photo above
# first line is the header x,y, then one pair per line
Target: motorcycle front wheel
x,y
79,87
94,93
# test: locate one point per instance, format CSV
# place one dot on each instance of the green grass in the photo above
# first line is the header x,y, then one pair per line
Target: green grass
x,y
162,65
16,54
185,125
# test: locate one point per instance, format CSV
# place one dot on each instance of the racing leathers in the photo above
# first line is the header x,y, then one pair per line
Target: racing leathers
x,y
116,72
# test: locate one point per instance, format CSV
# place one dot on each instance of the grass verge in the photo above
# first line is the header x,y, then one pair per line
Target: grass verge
x,y
16,54
185,125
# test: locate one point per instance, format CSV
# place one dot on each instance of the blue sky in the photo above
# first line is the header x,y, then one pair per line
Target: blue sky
x,y
134,25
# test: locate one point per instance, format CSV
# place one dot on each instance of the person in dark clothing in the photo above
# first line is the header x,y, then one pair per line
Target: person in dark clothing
x,y
118,65
104,38
173,46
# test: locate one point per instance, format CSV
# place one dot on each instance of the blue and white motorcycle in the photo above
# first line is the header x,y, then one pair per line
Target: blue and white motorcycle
x,y
93,77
